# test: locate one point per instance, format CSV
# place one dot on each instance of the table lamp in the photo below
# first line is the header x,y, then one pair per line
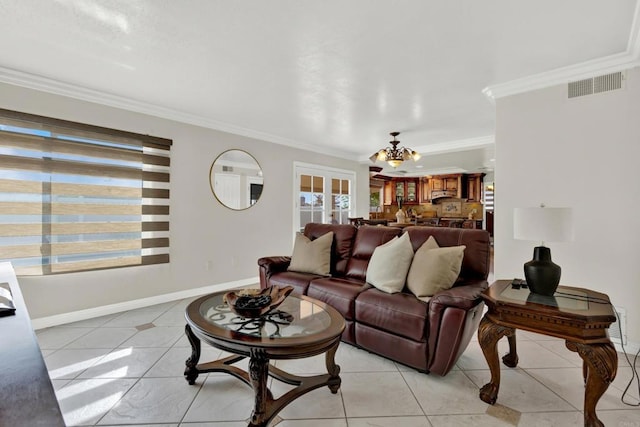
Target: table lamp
x,y
545,225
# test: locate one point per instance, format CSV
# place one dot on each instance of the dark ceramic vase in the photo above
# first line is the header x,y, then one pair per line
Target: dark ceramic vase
x,y
541,274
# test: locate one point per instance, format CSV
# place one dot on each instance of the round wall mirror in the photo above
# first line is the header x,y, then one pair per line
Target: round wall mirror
x,y
236,180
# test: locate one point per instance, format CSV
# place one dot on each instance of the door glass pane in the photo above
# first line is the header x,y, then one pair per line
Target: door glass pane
x,y
340,201
318,184
324,196
335,186
311,199
305,183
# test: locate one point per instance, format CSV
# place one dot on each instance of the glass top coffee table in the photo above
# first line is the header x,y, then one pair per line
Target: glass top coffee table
x,y
300,327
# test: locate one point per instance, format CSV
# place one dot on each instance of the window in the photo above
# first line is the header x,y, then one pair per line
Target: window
x,y
77,197
323,195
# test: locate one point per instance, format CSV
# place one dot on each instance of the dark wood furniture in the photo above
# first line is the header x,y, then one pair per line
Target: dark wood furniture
x,y
474,184
27,397
407,188
300,327
429,336
579,316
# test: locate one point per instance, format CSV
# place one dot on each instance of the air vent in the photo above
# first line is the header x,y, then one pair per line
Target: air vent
x,y
227,168
618,329
594,85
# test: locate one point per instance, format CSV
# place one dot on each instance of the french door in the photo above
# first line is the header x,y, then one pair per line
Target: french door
x,y
322,194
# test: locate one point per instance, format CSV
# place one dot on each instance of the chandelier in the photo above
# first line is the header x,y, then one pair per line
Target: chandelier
x,y
394,155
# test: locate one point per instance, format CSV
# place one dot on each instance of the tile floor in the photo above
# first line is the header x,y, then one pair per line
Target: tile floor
x,y
127,369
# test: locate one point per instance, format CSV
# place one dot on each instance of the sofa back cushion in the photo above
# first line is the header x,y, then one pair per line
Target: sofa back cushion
x,y
343,238
475,263
368,238
312,256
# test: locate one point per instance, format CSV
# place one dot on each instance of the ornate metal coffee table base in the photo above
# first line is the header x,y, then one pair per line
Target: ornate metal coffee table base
x,y
265,406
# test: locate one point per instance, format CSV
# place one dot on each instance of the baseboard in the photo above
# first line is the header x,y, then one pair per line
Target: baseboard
x,y
76,316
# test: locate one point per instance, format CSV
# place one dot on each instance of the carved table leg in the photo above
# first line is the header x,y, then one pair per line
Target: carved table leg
x,y
600,364
511,359
259,372
334,370
488,335
191,372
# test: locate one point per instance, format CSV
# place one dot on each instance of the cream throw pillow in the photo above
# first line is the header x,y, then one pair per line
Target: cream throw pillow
x,y
434,269
390,263
312,256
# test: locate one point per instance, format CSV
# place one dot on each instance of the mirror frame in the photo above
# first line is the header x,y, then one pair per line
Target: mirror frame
x,y
212,179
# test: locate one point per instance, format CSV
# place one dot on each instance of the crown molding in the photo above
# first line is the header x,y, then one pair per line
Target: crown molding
x,y
459,145
56,87
450,146
605,65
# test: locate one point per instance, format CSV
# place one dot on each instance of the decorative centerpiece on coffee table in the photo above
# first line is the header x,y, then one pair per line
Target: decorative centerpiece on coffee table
x,y
254,303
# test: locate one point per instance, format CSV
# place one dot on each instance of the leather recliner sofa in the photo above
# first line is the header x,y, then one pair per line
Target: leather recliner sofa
x,y
427,335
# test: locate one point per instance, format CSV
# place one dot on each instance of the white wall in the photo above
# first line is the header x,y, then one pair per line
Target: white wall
x,y
583,153
202,231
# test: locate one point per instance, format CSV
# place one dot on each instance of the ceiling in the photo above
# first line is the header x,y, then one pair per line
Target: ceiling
x,y
332,76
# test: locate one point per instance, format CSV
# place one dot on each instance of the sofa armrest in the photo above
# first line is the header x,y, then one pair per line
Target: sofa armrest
x,y
464,296
268,266
454,316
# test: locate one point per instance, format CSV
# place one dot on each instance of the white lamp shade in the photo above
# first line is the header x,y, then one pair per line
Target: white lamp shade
x,y
543,224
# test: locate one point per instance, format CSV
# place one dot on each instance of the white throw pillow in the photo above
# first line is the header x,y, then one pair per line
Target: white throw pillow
x,y
390,263
434,269
312,256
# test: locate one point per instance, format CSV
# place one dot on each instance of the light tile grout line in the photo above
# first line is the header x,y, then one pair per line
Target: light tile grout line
x,y
465,372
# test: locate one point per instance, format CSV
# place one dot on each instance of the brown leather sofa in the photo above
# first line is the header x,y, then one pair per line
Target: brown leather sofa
x,y
429,336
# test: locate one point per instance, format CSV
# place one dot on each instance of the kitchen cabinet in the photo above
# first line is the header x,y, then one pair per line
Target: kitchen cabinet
x,y
388,193
474,187
445,186
425,190
452,183
436,183
407,188
429,188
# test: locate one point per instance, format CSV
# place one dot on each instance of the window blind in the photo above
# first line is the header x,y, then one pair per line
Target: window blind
x,y
77,197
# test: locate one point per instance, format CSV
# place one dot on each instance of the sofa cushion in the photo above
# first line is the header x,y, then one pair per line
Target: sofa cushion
x,y
401,314
475,264
389,264
339,293
434,270
369,237
299,281
395,347
343,238
312,256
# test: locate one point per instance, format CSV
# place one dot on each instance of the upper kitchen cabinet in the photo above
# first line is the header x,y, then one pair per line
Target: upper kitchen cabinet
x,y
445,186
474,187
407,188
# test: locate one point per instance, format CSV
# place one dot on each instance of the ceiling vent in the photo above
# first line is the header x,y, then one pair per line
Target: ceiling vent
x,y
594,85
227,168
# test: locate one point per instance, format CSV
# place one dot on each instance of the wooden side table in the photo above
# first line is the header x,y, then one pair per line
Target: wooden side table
x,y
579,316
